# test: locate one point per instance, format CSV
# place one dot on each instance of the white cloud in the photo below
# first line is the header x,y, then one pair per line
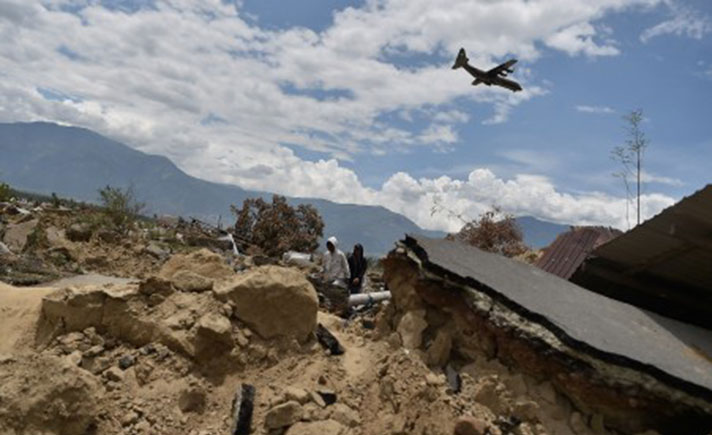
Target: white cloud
x,y
685,21
595,109
151,77
647,177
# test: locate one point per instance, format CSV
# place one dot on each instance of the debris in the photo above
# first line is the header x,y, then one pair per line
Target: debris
x,y
368,298
242,407
411,328
283,415
189,281
328,341
328,396
127,361
192,399
469,425
453,379
79,233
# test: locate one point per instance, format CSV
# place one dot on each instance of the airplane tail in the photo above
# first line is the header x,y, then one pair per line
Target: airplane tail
x,y
461,59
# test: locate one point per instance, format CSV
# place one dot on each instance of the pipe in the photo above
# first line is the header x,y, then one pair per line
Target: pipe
x,y
368,298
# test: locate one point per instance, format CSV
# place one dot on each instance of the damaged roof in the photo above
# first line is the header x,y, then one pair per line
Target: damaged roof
x,y
571,248
675,353
664,264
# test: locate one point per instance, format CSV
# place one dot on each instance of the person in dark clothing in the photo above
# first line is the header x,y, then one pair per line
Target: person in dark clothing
x,y
357,266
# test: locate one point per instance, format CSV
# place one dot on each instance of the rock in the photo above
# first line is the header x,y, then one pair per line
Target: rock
x,y
274,301
192,399
203,262
56,237
155,285
74,358
439,350
157,251
577,423
468,425
79,232
127,361
525,410
109,236
16,234
42,394
283,415
213,336
114,374
4,250
490,393
411,328
326,427
345,415
129,418
188,281
297,394
316,398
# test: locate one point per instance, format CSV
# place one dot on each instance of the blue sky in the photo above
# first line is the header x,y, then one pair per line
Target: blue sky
x,y
355,101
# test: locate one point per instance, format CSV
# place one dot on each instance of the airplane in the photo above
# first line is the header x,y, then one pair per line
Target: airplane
x,y
495,76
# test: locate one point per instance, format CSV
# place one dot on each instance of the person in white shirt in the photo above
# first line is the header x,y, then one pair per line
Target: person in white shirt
x,y
336,267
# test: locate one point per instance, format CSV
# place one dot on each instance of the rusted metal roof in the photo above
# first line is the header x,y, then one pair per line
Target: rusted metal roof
x,y
664,264
571,248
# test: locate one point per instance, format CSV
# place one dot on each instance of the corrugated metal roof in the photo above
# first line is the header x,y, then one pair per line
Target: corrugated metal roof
x,y
571,248
664,264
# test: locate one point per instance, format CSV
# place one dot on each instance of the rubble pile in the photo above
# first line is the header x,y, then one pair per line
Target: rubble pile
x,y
466,326
208,344
41,242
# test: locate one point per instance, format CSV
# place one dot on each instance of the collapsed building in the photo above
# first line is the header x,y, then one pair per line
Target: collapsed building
x,y
663,265
626,368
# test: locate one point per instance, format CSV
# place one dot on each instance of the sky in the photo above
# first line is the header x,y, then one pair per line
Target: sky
x,y
356,101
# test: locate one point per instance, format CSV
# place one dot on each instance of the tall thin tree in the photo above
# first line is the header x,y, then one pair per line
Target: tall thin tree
x,y
630,156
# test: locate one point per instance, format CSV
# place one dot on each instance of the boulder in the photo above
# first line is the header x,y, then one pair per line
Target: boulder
x,y
62,400
79,232
213,336
203,262
468,425
16,234
189,281
274,301
156,250
283,415
411,328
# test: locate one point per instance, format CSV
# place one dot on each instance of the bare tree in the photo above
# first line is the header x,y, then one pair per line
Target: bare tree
x,y
630,156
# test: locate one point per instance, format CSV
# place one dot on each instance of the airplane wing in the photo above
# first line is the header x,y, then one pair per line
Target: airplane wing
x,y
501,68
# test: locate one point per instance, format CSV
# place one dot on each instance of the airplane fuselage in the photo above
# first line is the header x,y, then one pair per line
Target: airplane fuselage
x,y
491,79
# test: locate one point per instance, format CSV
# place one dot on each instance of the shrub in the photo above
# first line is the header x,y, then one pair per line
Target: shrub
x,y
277,227
5,192
501,236
120,207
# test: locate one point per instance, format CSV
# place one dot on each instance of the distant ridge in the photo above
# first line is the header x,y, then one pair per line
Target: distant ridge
x,y
75,162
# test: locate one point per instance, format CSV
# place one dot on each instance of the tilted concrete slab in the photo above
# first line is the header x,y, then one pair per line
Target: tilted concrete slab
x,y
674,353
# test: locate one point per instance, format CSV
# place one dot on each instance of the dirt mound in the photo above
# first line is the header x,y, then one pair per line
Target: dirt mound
x,y
275,301
61,399
202,262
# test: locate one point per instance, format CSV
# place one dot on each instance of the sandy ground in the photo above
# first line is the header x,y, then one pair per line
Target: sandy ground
x,y
19,309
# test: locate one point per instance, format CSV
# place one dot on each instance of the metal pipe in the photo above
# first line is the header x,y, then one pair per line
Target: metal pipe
x,y
368,298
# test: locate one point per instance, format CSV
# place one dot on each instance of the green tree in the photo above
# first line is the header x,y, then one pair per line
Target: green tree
x,y
277,227
630,156
120,206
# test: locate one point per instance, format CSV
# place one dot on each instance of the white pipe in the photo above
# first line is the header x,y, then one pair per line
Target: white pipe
x,y
368,298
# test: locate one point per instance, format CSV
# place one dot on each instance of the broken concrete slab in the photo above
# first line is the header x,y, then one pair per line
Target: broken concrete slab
x,y
635,368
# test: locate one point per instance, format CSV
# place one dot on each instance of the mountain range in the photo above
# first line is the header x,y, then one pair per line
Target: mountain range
x,y
75,162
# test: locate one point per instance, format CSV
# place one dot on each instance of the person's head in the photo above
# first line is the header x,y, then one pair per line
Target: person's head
x,y
358,250
331,244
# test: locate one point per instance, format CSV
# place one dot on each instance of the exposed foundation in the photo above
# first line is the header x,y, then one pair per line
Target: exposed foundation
x,y
478,326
